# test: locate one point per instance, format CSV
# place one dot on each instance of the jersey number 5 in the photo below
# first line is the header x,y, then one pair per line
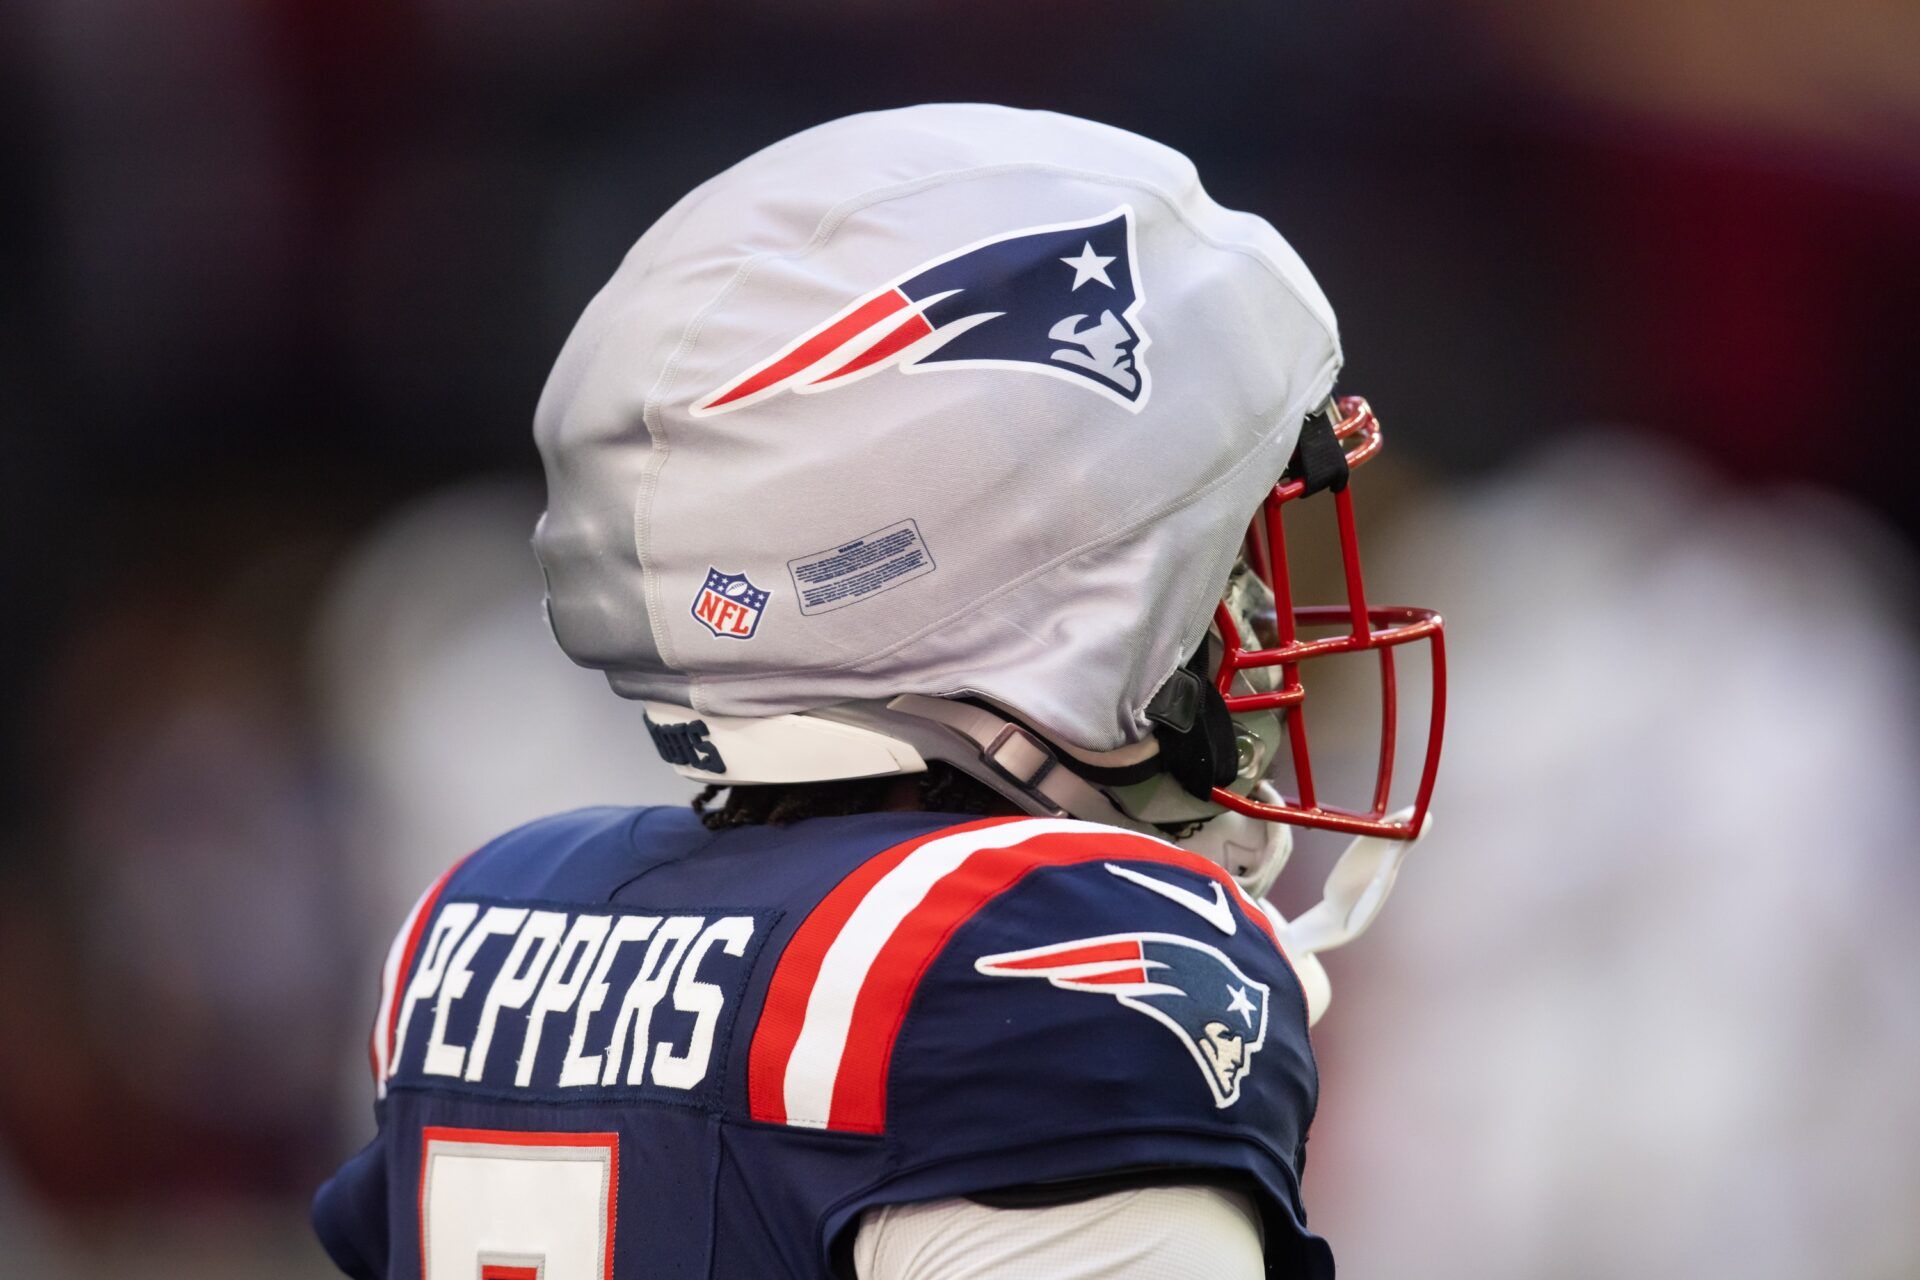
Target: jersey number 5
x,y
499,1205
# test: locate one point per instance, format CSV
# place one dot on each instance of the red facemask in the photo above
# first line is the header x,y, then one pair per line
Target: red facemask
x,y
1380,628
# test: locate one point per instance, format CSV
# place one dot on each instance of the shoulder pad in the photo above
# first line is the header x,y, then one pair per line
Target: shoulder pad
x,y
988,968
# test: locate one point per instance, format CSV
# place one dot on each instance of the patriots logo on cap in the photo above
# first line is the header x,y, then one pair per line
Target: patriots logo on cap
x,y
1191,989
1062,300
728,605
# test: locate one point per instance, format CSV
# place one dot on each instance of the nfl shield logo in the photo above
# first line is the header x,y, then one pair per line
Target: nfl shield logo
x,y
728,605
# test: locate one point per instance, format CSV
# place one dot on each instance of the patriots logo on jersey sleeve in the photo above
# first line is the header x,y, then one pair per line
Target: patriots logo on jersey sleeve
x,y
1062,300
1193,990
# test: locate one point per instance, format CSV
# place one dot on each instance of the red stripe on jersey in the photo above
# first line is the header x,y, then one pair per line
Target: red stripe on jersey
x,y
816,348
422,914
785,1008
859,1091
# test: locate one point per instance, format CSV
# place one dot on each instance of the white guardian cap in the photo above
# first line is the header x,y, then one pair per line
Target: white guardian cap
x,y
935,434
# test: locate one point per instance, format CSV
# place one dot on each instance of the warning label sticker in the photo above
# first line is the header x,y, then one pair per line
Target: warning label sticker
x,y
853,571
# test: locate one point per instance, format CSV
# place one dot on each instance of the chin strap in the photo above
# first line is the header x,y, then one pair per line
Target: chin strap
x,y
1356,889
1020,764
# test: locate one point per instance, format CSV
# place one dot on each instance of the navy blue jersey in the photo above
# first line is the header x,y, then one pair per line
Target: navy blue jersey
x,y
615,1044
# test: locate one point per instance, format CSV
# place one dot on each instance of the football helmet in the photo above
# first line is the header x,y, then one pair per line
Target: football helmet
x,y
967,434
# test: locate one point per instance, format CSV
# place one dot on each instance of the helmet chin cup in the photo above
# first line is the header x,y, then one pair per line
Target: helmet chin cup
x,y
1336,440
1253,852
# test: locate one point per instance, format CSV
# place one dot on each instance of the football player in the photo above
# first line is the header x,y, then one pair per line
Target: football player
x,y
922,478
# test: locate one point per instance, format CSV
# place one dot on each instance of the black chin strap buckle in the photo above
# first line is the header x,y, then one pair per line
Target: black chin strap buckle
x,y
1319,462
1194,729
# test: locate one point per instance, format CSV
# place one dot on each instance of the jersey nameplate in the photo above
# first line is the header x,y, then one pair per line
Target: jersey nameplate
x,y
557,1001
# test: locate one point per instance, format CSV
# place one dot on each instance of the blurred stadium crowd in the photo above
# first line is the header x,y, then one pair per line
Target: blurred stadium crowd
x,y
1633,286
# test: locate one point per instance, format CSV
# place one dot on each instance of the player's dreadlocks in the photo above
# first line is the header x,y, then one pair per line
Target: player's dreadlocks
x,y
942,789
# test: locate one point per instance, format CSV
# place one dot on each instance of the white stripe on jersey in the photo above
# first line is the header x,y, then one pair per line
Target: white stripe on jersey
x,y
815,1064
389,979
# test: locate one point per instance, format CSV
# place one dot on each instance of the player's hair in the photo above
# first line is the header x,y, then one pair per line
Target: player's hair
x,y
942,789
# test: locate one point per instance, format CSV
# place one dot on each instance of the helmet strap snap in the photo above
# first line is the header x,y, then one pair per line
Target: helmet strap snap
x,y
1194,729
1319,460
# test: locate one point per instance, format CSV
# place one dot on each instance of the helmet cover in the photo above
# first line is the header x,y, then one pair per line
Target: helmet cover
x,y
946,400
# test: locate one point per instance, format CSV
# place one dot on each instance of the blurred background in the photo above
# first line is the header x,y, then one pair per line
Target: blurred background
x,y
1633,284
